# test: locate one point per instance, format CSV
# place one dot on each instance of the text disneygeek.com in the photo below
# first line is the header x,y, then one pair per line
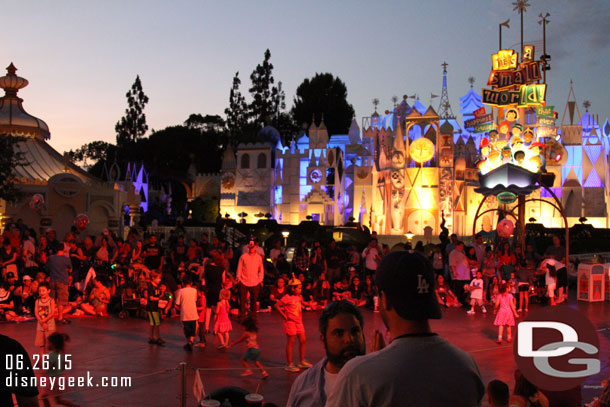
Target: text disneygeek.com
x,y
14,380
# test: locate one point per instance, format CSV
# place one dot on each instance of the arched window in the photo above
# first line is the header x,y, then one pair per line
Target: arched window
x,y
261,161
245,161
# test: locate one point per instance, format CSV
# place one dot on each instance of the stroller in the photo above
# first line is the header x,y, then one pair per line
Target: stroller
x,y
131,302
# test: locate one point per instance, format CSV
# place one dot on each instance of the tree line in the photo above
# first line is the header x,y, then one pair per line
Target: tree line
x,y
171,149
197,145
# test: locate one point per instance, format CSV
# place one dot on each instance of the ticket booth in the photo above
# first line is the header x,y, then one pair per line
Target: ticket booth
x,y
591,278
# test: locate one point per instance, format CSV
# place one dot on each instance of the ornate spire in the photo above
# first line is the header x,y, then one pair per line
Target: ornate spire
x,y
13,117
444,109
11,83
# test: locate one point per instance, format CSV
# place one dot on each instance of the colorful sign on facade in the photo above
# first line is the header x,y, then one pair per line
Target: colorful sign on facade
x,y
546,122
479,112
479,120
545,111
483,128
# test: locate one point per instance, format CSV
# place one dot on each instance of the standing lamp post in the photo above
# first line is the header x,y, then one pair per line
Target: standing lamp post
x,y
409,235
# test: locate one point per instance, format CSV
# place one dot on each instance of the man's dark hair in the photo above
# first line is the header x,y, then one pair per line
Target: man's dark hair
x,y
187,279
498,393
335,308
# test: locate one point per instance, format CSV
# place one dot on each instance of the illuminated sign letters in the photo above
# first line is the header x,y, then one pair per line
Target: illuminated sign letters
x,y
528,73
531,95
500,97
504,59
527,95
545,111
528,53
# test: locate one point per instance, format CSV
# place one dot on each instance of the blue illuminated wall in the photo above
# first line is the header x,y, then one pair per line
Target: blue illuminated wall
x,y
304,189
574,163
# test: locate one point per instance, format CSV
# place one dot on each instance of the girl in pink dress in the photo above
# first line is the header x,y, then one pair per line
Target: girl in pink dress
x,y
222,326
506,314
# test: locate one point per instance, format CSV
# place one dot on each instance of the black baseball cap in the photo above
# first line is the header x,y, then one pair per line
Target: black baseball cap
x,y
408,280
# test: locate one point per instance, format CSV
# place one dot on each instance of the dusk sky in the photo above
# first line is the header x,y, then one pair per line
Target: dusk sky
x,y
81,57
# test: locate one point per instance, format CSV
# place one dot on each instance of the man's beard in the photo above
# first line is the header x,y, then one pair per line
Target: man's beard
x,y
345,355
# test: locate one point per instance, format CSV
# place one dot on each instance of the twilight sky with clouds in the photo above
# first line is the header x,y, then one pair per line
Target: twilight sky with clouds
x,y
81,57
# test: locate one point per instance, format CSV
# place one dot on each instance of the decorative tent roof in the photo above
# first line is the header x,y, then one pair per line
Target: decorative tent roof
x,y
42,162
14,119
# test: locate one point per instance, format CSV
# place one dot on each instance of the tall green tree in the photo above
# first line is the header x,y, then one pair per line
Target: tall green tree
x,y
205,123
267,100
9,159
132,126
237,112
323,94
94,151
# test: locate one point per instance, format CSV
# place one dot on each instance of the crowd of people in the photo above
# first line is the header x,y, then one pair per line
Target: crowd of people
x,y
504,278
206,283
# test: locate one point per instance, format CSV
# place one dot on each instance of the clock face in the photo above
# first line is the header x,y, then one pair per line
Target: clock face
x,y
422,150
315,176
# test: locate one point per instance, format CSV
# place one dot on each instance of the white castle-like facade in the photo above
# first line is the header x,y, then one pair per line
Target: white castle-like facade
x,y
398,172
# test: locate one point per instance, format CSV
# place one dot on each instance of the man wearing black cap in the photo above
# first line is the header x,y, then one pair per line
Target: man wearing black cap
x,y
418,368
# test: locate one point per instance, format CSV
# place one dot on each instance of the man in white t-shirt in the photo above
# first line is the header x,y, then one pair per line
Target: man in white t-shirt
x,y
341,331
418,367
552,268
250,274
372,256
460,271
186,301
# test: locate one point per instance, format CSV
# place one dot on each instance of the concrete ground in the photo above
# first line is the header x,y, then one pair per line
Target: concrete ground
x,y
112,347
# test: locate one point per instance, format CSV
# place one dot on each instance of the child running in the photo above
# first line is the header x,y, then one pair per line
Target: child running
x,y
44,309
289,306
57,364
505,313
253,352
186,300
223,326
